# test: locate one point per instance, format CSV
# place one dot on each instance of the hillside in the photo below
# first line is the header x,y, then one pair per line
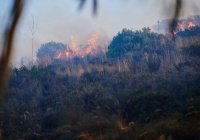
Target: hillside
x,y
146,86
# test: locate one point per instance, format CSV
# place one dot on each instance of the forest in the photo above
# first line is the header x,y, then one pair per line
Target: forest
x,y
145,86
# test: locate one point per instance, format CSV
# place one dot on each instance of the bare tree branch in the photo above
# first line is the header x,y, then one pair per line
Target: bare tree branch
x,y
177,10
8,43
33,29
82,4
94,5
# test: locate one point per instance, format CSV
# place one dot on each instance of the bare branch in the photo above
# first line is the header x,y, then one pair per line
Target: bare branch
x,y
177,10
82,4
94,5
8,43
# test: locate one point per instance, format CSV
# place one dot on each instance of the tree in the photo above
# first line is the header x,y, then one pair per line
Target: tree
x,y
137,42
50,49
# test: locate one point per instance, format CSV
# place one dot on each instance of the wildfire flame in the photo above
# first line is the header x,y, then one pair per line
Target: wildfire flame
x,y
91,48
191,25
91,45
185,25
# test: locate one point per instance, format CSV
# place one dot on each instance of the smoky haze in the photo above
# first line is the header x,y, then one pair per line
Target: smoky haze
x,y
61,21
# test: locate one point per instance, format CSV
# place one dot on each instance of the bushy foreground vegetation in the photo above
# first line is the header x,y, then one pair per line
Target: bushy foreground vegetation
x,y
146,87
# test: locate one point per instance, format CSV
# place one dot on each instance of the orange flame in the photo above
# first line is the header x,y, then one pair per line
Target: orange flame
x,y
185,25
67,54
91,45
91,48
191,25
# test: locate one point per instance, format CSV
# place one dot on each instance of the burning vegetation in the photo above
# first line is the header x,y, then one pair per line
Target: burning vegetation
x,y
181,25
94,46
144,87
60,51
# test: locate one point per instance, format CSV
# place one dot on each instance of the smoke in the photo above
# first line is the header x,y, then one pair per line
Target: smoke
x,y
59,21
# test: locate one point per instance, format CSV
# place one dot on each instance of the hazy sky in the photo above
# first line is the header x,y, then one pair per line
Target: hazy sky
x,y
60,20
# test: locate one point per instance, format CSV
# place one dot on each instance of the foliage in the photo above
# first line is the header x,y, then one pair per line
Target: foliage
x,y
50,49
139,42
144,94
193,50
153,63
192,32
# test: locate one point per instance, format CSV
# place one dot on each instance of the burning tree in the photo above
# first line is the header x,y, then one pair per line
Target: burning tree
x,y
59,51
53,50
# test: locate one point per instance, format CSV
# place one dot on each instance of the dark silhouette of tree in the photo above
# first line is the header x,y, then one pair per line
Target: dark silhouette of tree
x,y
177,10
7,45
